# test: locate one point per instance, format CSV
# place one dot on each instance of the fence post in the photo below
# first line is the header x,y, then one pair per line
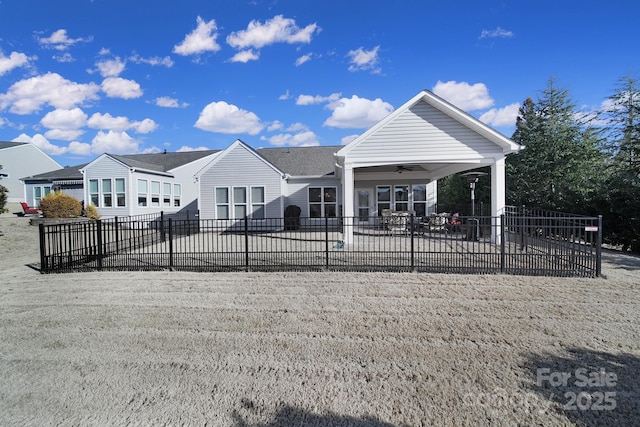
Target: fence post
x,y
162,236
100,248
599,248
43,258
411,229
326,242
246,243
170,245
502,244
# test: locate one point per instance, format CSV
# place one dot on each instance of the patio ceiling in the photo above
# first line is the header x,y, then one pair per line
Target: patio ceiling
x,y
404,171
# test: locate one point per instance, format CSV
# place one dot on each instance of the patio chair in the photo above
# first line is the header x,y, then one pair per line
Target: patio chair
x,y
438,222
28,210
398,222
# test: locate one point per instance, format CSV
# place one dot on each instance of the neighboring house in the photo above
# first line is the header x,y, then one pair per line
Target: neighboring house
x,y
19,160
125,185
68,180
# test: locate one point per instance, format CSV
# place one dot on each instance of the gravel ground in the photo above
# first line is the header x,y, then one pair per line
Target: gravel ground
x,y
320,349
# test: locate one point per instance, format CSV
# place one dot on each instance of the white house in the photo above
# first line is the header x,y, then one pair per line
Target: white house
x,y
19,160
393,165
68,180
126,185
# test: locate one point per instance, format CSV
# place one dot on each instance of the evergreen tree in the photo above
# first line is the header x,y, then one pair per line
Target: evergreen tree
x,y
622,191
558,167
3,195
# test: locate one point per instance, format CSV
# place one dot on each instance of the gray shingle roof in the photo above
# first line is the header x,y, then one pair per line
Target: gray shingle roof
x,y
4,145
302,161
67,173
161,162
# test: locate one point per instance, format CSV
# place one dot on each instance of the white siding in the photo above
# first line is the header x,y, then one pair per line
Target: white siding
x,y
423,133
20,162
297,192
106,167
236,168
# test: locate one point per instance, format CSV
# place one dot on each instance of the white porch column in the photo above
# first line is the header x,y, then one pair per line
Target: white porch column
x,y
347,202
498,196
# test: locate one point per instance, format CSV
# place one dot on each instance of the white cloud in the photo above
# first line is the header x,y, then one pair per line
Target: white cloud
x,y
14,60
187,148
64,135
117,87
276,30
114,143
153,61
29,95
301,139
497,33
200,40
60,41
120,124
66,57
347,139
463,95
245,56
42,143
505,116
277,125
167,102
79,148
227,118
310,100
285,96
362,60
303,59
110,67
356,112
63,119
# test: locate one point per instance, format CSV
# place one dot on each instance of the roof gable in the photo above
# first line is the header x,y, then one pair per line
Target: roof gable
x,y
237,144
463,121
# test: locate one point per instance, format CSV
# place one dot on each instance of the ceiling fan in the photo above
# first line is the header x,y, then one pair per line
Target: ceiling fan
x,y
402,168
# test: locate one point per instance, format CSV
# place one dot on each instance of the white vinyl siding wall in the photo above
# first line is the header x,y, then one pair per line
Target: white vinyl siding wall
x,y
423,133
107,168
240,167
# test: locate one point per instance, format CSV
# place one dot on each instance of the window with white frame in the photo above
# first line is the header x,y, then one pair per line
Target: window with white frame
x,y
121,194
94,192
222,203
143,192
166,194
177,195
420,199
155,193
257,203
383,198
239,202
322,202
39,192
401,197
107,195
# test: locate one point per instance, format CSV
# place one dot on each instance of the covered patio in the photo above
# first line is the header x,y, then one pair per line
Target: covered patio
x,y
424,140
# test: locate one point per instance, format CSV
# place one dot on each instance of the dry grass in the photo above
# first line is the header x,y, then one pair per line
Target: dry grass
x,y
321,349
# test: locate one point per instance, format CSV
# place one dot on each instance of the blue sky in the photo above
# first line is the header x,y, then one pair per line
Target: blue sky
x,y
83,77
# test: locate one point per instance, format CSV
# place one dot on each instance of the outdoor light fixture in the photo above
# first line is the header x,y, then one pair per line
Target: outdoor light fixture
x,y
472,178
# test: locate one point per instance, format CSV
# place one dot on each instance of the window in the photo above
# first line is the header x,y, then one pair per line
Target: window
x,y
177,193
257,203
239,202
166,194
120,193
143,190
107,196
39,193
94,194
222,203
322,202
155,193
401,196
383,198
420,199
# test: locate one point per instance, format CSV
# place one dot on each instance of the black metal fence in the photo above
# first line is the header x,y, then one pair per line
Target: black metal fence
x,y
518,242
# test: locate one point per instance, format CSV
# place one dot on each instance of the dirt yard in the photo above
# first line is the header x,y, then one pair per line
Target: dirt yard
x,y
318,349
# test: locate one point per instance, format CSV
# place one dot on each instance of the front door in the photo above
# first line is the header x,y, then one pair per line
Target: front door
x,y
365,209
